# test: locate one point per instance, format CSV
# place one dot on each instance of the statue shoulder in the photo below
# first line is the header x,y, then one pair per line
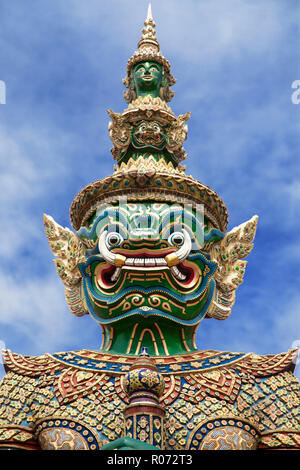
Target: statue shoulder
x,y
46,364
275,395
267,365
25,365
17,389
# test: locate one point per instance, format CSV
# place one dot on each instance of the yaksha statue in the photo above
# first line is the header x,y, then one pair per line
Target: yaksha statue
x,y
149,259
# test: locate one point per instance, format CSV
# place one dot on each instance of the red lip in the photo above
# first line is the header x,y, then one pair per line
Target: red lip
x,y
190,271
108,271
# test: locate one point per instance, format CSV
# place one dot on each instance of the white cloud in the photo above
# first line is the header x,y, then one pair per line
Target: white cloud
x,y
35,307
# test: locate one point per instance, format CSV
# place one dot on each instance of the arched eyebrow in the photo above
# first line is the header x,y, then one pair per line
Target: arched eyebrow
x,y
139,66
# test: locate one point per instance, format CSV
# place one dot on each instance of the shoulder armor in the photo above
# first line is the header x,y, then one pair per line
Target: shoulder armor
x,y
32,366
253,364
267,365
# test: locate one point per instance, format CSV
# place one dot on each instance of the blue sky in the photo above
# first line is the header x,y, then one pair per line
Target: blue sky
x,y
63,64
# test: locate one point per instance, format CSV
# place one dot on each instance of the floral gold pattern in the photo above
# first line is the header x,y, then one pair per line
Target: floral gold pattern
x,y
260,392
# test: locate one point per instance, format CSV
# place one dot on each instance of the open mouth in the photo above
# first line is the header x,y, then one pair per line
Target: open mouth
x,y
171,260
181,272
145,262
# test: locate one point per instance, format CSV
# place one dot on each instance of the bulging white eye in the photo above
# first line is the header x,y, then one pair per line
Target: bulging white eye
x,y
142,128
176,239
113,240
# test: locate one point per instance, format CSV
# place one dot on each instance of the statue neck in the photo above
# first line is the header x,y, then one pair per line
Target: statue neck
x,y
161,337
143,93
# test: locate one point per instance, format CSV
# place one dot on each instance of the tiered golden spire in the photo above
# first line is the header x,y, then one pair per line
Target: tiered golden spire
x,y
148,147
148,50
148,39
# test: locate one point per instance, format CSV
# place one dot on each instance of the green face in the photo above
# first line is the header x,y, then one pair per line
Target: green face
x,y
149,134
148,260
147,77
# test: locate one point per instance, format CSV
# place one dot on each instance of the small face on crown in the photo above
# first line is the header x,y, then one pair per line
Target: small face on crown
x,y
147,77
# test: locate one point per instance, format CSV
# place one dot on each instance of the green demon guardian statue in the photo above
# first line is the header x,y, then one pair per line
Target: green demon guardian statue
x,y
149,260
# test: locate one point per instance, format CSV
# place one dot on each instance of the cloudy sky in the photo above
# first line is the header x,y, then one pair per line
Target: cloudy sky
x,y
63,64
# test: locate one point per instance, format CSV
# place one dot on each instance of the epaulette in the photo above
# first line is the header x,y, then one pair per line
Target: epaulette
x,y
210,373
253,364
225,381
267,365
33,366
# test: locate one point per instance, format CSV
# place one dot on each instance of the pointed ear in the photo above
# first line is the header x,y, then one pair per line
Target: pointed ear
x,y
69,251
229,255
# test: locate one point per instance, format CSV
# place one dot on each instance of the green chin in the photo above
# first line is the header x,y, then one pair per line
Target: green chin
x,y
136,293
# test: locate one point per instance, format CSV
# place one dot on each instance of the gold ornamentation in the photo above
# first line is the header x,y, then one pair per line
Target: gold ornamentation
x,y
172,259
228,254
223,384
16,436
29,365
149,166
148,103
69,250
148,49
119,132
279,439
144,380
171,391
267,398
73,383
142,109
161,186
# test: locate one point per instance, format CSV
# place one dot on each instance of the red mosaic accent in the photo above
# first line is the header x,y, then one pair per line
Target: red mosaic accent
x,y
263,366
73,384
172,389
223,384
33,366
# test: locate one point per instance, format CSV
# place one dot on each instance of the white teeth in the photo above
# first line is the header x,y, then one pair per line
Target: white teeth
x,y
176,273
115,276
160,262
145,262
148,262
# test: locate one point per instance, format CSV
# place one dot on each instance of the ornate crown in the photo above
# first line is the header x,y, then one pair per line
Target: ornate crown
x,y
149,49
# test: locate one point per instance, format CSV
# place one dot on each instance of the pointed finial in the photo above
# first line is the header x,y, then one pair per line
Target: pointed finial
x,y
149,13
149,50
148,39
